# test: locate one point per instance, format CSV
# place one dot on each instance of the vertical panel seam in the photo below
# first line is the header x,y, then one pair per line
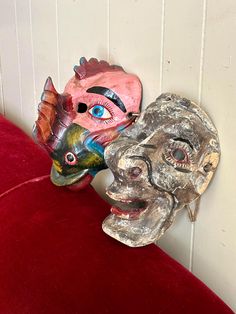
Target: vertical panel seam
x,y
57,43
202,51
1,90
201,69
162,44
18,60
192,236
32,50
108,30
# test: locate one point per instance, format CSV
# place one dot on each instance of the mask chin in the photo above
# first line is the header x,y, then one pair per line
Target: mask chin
x,y
133,233
148,227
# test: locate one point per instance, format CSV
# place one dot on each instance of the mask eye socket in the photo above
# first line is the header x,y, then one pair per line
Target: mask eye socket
x,y
100,112
81,107
179,154
70,158
134,172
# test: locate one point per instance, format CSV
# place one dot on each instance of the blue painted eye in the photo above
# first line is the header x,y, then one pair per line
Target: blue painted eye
x,y
100,112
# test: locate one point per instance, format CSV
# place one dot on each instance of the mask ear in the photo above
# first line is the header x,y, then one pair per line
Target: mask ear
x,y
207,170
55,114
200,179
210,162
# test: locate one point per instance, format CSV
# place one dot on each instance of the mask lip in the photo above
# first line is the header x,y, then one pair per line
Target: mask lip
x,y
129,208
61,180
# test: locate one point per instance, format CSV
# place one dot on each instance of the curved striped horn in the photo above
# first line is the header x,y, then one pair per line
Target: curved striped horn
x,y
55,114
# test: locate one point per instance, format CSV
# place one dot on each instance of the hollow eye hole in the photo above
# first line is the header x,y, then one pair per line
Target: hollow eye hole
x,y
70,159
134,172
82,107
99,112
208,167
179,155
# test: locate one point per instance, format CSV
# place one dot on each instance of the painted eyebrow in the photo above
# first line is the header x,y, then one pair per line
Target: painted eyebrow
x,y
148,146
109,94
183,140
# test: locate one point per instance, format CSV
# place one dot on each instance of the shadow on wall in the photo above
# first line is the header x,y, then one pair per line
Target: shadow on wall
x,y
101,181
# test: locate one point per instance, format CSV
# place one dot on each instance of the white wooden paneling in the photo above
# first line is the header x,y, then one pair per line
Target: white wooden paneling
x,y
182,47
135,41
44,44
183,22
10,62
82,31
177,240
215,237
25,63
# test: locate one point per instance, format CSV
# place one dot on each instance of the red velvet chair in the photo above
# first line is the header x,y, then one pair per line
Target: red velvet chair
x,y
55,258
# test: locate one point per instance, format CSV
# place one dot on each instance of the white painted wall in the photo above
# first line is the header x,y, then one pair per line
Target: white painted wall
x,y
185,46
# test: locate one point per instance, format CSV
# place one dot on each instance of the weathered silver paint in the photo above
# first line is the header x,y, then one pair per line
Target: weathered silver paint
x,y
161,163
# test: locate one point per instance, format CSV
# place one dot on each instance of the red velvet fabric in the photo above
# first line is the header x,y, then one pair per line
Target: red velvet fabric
x,y
20,158
54,257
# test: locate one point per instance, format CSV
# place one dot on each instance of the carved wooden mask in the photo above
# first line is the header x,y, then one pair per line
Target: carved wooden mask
x,y
161,163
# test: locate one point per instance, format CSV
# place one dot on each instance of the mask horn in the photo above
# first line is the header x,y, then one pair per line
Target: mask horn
x,y
55,114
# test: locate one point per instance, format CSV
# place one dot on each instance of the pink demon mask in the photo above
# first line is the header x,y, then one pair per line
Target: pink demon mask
x,y
98,102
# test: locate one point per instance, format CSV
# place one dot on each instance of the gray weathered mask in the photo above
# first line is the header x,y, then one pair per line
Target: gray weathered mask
x,y
160,164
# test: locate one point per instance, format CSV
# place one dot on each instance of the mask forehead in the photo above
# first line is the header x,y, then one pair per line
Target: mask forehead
x,y
172,109
126,86
106,94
